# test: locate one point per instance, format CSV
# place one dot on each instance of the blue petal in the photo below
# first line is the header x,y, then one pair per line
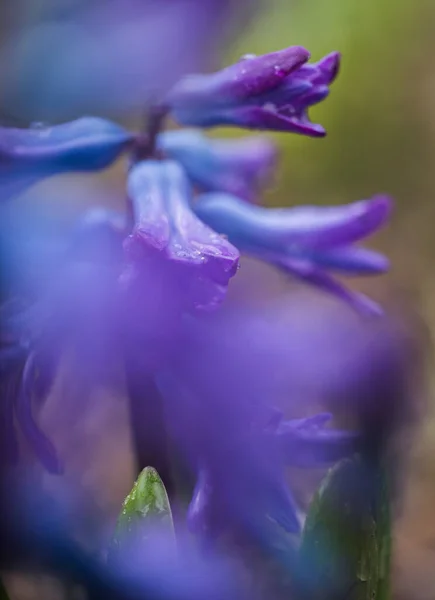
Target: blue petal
x,y
29,155
352,260
302,227
234,166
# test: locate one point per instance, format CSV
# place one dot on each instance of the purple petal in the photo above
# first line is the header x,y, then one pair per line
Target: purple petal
x,y
166,227
313,275
314,96
261,118
41,445
329,66
200,519
315,447
352,260
323,72
307,423
268,118
241,81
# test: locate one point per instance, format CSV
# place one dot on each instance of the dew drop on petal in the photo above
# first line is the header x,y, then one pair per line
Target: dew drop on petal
x,y
248,56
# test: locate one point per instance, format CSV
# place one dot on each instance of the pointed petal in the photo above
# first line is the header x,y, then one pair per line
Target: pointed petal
x,y
313,275
241,81
291,230
30,155
352,260
329,66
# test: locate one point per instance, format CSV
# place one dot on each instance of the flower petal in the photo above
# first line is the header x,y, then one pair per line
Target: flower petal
x,y
329,67
352,260
248,77
41,445
29,155
260,118
234,166
166,227
288,229
314,275
306,443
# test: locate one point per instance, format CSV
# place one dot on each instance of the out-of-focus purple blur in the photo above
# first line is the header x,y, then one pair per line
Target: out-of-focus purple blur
x,y
63,58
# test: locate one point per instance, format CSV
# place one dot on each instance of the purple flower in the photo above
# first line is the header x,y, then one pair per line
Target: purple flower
x,y
242,493
168,232
240,477
30,155
308,443
269,92
237,167
305,241
216,395
72,305
152,566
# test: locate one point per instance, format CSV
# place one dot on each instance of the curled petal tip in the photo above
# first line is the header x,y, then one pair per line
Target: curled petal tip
x,y
330,65
375,211
384,205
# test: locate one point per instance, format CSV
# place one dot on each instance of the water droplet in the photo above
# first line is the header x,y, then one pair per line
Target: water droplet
x,y
248,56
278,70
269,106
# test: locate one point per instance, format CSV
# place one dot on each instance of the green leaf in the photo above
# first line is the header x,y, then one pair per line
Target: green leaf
x,y
346,541
3,592
146,505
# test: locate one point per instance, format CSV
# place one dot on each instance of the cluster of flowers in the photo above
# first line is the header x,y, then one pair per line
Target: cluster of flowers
x,y
142,278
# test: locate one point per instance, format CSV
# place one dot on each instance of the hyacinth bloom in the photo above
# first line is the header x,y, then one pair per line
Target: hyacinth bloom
x,y
30,155
73,308
298,442
238,167
306,242
216,395
268,92
167,231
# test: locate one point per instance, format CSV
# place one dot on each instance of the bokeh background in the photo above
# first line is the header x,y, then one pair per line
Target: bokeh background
x,y
380,119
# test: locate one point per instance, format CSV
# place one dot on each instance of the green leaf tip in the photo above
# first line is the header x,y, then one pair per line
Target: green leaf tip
x,y
346,542
3,592
145,506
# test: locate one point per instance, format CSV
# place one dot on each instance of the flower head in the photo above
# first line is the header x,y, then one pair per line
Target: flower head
x,y
167,230
250,483
307,241
268,92
238,167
